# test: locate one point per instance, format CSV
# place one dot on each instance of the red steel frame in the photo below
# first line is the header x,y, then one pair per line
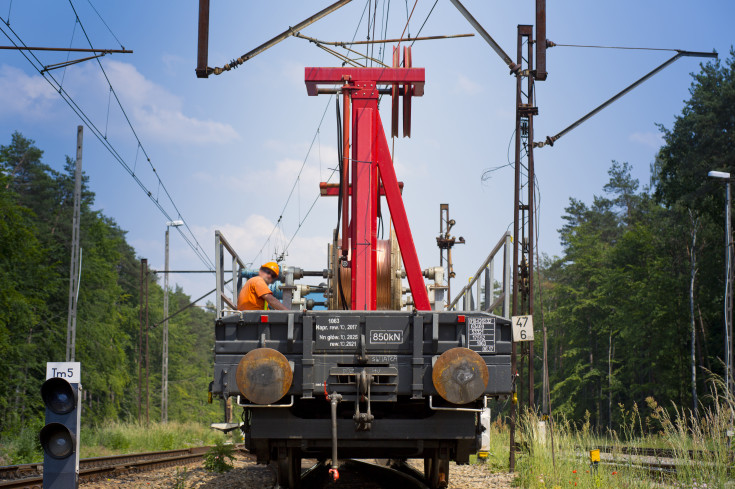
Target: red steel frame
x,y
372,165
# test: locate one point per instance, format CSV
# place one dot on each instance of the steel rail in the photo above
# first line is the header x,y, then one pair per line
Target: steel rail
x,y
662,452
666,461
356,474
103,467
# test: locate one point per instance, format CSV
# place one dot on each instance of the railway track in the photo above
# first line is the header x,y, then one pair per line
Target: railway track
x,y
661,452
656,461
97,468
358,474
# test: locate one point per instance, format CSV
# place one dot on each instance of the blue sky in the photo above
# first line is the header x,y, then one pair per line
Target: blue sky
x,y
228,148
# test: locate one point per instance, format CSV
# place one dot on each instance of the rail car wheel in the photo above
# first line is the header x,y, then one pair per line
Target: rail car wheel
x,y
289,468
436,470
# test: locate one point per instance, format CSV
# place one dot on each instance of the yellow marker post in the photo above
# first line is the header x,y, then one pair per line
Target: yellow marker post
x,y
594,459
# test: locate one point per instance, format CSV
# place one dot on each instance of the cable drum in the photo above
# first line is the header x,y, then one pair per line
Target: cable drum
x,y
388,282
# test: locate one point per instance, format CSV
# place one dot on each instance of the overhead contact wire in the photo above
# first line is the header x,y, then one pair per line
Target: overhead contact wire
x,y
424,23
280,217
612,47
54,83
290,194
105,23
199,250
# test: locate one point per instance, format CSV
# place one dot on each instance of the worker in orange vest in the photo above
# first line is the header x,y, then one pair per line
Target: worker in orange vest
x,y
255,294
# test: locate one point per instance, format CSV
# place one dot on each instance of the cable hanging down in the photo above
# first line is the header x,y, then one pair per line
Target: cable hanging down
x,y
316,133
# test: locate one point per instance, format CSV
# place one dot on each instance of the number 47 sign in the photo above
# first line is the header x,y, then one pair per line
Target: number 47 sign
x,y
522,328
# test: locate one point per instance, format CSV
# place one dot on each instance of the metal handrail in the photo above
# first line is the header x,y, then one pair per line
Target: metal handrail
x,y
221,300
504,242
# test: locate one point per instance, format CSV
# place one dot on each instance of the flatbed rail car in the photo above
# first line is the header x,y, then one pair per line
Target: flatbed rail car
x,y
397,383
392,370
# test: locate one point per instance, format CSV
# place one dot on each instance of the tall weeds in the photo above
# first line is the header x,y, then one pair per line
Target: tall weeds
x,y
699,445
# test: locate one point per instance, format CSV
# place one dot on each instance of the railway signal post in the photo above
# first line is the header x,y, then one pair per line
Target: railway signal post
x,y
60,435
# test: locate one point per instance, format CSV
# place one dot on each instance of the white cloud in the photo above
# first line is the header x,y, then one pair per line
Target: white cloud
x,y
282,171
173,63
257,232
158,113
25,95
467,86
294,73
652,139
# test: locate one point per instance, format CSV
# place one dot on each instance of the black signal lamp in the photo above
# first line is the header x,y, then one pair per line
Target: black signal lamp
x,y
58,395
57,441
60,436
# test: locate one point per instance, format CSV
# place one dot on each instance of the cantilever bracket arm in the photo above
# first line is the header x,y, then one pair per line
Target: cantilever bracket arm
x,y
203,71
550,140
514,68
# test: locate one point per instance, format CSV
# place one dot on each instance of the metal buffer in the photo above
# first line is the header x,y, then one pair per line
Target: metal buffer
x,y
372,172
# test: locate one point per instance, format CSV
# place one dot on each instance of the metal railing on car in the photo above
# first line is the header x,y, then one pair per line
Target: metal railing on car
x,y
487,270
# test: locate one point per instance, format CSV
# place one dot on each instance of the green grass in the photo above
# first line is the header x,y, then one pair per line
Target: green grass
x,y
111,439
675,428
116,438
21,446
497,459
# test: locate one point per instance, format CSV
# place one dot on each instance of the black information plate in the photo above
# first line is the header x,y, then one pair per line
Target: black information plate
x,y
388,333
481,334
337,333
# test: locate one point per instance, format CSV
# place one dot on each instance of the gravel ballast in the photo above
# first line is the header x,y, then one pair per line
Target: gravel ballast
x,y
247,474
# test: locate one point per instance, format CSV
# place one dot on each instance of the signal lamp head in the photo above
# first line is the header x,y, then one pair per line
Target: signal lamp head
x,y
58,395
57,441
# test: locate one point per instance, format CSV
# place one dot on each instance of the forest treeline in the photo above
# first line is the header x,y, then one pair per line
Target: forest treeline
x,y
617,304
36,209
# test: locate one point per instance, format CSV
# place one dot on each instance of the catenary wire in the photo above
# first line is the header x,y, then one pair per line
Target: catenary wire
x,y
290,194
54,83
199,250
384,29
424,23
71,41
105,23
280,216
408,20
614,47
334,170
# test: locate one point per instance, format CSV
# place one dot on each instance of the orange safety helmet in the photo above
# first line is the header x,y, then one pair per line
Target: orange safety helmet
x,y
273,267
